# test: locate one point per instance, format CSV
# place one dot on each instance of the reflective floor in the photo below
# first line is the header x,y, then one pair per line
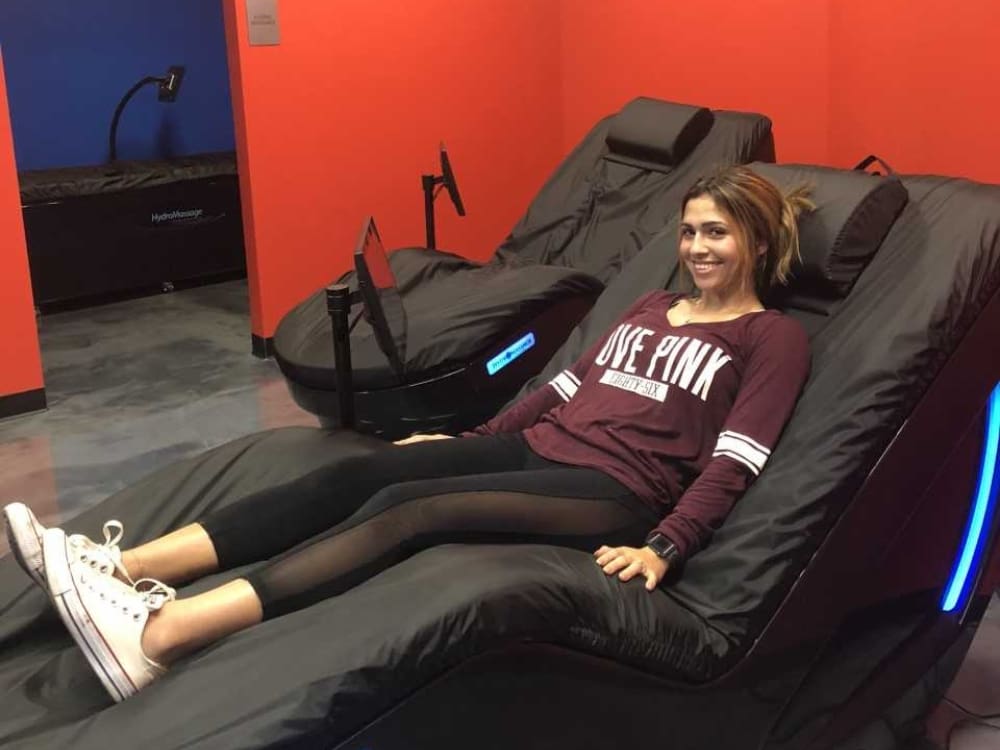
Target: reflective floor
x,y
133,386
138,384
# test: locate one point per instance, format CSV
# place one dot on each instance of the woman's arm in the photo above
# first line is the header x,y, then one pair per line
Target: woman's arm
x,y
776,371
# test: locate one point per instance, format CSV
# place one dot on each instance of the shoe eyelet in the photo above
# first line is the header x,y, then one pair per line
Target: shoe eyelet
x,y
137,617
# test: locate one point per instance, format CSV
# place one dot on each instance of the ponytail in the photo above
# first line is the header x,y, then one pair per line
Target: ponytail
x,y
786,250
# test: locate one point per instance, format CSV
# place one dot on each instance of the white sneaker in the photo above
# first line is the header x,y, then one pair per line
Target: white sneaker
x,y
25,536
24,533
105,616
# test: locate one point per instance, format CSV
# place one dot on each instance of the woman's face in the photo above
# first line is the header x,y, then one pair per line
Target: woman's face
x,y
710,249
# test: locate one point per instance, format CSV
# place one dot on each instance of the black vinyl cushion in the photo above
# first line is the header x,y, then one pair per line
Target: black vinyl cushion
x,y
599,209
854,212
654,134
443,293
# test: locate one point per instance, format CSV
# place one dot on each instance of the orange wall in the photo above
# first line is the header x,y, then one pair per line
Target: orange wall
x,y
917,82
768,56
19,354
343,117
913,81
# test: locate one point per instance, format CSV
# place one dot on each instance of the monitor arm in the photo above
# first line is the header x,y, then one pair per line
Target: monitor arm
x,y
431,187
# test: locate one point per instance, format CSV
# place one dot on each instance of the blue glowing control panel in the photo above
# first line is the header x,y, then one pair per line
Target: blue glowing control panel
x,y
508,355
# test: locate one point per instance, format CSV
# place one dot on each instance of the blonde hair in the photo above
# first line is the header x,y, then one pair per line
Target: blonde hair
x,y
762,215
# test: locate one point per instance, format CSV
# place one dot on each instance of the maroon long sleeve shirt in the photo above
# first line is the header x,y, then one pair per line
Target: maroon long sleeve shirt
x,y
684,416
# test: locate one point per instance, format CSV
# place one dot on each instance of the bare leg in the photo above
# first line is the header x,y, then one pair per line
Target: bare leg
x,y
180,556
185,625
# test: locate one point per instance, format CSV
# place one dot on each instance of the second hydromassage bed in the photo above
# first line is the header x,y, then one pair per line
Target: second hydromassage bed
x,y
840,593
462,320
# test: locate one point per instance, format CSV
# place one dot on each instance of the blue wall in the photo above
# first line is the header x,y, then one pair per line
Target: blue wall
x,y
68,62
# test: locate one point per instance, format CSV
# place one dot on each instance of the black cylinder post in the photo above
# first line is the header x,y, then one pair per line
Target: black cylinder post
x,y
338,306
429,183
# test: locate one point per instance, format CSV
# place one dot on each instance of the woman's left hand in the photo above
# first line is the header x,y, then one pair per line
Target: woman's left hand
x,y
629,562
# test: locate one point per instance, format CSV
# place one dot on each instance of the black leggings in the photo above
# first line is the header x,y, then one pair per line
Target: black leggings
x,y
408,498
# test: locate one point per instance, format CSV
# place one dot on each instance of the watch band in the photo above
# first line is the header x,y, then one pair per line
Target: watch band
x,y
663,547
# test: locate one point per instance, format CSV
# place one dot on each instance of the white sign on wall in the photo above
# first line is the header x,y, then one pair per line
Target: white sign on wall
x,y
262,21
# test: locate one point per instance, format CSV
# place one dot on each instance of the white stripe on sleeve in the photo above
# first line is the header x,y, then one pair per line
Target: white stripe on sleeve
x,y
749,440
566,383
559,390
748,451
736,457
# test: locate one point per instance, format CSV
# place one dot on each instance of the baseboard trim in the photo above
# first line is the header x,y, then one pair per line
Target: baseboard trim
x,y
16,404
262,347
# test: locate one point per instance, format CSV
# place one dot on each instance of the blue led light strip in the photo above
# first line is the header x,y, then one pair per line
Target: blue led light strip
x,y
511,353
985,494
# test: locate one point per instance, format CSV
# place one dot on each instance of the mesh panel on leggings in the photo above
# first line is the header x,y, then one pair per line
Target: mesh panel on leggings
x,y
351,553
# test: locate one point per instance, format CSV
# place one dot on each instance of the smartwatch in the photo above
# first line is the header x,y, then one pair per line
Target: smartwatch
x,y
663,547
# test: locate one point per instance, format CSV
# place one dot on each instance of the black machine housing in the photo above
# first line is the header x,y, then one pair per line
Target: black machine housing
x,y
97,233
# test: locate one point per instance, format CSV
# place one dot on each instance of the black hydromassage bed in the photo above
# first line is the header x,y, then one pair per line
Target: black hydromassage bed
x,y
97,233
830,610
617,188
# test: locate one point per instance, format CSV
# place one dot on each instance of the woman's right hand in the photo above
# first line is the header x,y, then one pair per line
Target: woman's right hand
x,y
422,438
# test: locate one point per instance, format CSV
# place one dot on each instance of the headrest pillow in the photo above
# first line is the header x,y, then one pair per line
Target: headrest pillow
x,y
654,134
854,212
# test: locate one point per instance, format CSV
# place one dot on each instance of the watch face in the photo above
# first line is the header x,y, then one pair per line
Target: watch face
x,y
662,546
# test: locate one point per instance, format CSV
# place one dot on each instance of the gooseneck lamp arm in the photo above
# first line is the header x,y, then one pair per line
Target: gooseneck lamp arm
x,y
113,135
168,87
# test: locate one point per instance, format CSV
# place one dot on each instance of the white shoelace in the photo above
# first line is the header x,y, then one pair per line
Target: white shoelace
x,y
111,540
154,593
113,531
